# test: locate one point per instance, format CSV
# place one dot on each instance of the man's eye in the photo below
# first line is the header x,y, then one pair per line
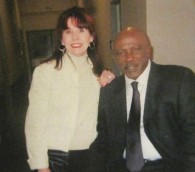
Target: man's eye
x,y
120,52
136,49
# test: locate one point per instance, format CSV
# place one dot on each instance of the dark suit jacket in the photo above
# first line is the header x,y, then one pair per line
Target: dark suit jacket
x,y
169,117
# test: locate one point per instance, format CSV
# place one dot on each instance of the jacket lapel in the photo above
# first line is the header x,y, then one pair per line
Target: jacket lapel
x,y
153,94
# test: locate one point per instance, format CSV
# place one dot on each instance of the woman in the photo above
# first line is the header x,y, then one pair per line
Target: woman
x,y
63,99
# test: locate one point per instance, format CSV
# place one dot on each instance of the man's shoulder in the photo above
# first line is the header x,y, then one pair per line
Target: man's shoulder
x,y
116,86
119,80
171,69
170,66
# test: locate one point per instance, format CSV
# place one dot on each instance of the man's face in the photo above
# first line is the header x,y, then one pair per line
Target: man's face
x,y
132,52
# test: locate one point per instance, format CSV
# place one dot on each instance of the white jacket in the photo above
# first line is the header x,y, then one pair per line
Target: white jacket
x,y
62,112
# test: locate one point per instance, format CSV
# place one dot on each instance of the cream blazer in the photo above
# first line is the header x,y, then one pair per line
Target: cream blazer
x,y
55,118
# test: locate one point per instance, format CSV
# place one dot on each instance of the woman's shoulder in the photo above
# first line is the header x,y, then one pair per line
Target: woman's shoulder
x,y
45,69
47,65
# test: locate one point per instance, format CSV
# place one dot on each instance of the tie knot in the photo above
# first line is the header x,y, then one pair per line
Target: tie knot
x,y
134,85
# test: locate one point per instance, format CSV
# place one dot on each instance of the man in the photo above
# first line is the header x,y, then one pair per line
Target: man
x,y
167,109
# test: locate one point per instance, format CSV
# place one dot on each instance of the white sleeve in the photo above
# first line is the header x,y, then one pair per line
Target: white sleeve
x,y
36,118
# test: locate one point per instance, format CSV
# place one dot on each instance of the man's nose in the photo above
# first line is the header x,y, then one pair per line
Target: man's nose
x,y
129,56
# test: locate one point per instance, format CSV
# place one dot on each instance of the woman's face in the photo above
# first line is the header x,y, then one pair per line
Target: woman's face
x,y
76,40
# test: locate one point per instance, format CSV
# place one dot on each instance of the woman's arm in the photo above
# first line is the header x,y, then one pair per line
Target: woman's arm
x,y
36,118
44,170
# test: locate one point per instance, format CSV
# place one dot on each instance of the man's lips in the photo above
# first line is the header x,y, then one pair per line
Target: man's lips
x,y
129,67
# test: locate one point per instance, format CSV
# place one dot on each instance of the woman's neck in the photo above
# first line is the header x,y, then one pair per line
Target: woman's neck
x,y
75,56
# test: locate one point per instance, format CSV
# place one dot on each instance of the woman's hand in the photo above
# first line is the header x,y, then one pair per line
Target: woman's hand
x,y
106,77
44,170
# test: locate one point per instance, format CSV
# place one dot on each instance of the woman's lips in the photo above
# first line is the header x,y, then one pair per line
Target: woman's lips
x,y
76,45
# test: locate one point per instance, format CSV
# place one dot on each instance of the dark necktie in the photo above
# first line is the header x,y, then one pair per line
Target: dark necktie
x,y
134,155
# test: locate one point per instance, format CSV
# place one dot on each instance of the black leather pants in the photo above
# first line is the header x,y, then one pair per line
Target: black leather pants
x,y
72,161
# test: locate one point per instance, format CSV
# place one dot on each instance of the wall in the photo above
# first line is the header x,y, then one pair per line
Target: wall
x,y
37,15
44,16
101,11
170,24
171,27
104,31
12,59
133,13
12,69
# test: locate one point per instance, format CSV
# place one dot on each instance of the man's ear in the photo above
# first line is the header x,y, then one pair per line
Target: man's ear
x,y
150,53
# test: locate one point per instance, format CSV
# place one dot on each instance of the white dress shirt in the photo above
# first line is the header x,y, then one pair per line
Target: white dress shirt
x,y
149,152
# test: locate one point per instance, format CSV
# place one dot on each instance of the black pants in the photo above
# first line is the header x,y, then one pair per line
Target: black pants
x,y
155,166
73,161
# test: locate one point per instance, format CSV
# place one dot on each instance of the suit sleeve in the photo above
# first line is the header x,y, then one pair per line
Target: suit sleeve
x,y
186,109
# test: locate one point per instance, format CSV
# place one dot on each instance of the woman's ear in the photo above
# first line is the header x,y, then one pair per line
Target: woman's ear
x,y
62,43
91,38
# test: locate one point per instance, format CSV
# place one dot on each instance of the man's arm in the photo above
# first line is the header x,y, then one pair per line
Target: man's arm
x,y
186,109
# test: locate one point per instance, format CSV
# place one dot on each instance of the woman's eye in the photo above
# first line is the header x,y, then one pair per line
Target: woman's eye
x,y
67,31
81,29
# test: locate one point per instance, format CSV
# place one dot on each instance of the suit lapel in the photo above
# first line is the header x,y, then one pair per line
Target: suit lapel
x,y
119,101
153,94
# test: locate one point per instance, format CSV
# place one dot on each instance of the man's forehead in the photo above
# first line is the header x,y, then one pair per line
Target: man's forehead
x,y
129,28
131,36
125,40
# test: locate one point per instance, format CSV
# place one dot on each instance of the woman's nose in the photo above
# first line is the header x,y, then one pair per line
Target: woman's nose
x,y
75,35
